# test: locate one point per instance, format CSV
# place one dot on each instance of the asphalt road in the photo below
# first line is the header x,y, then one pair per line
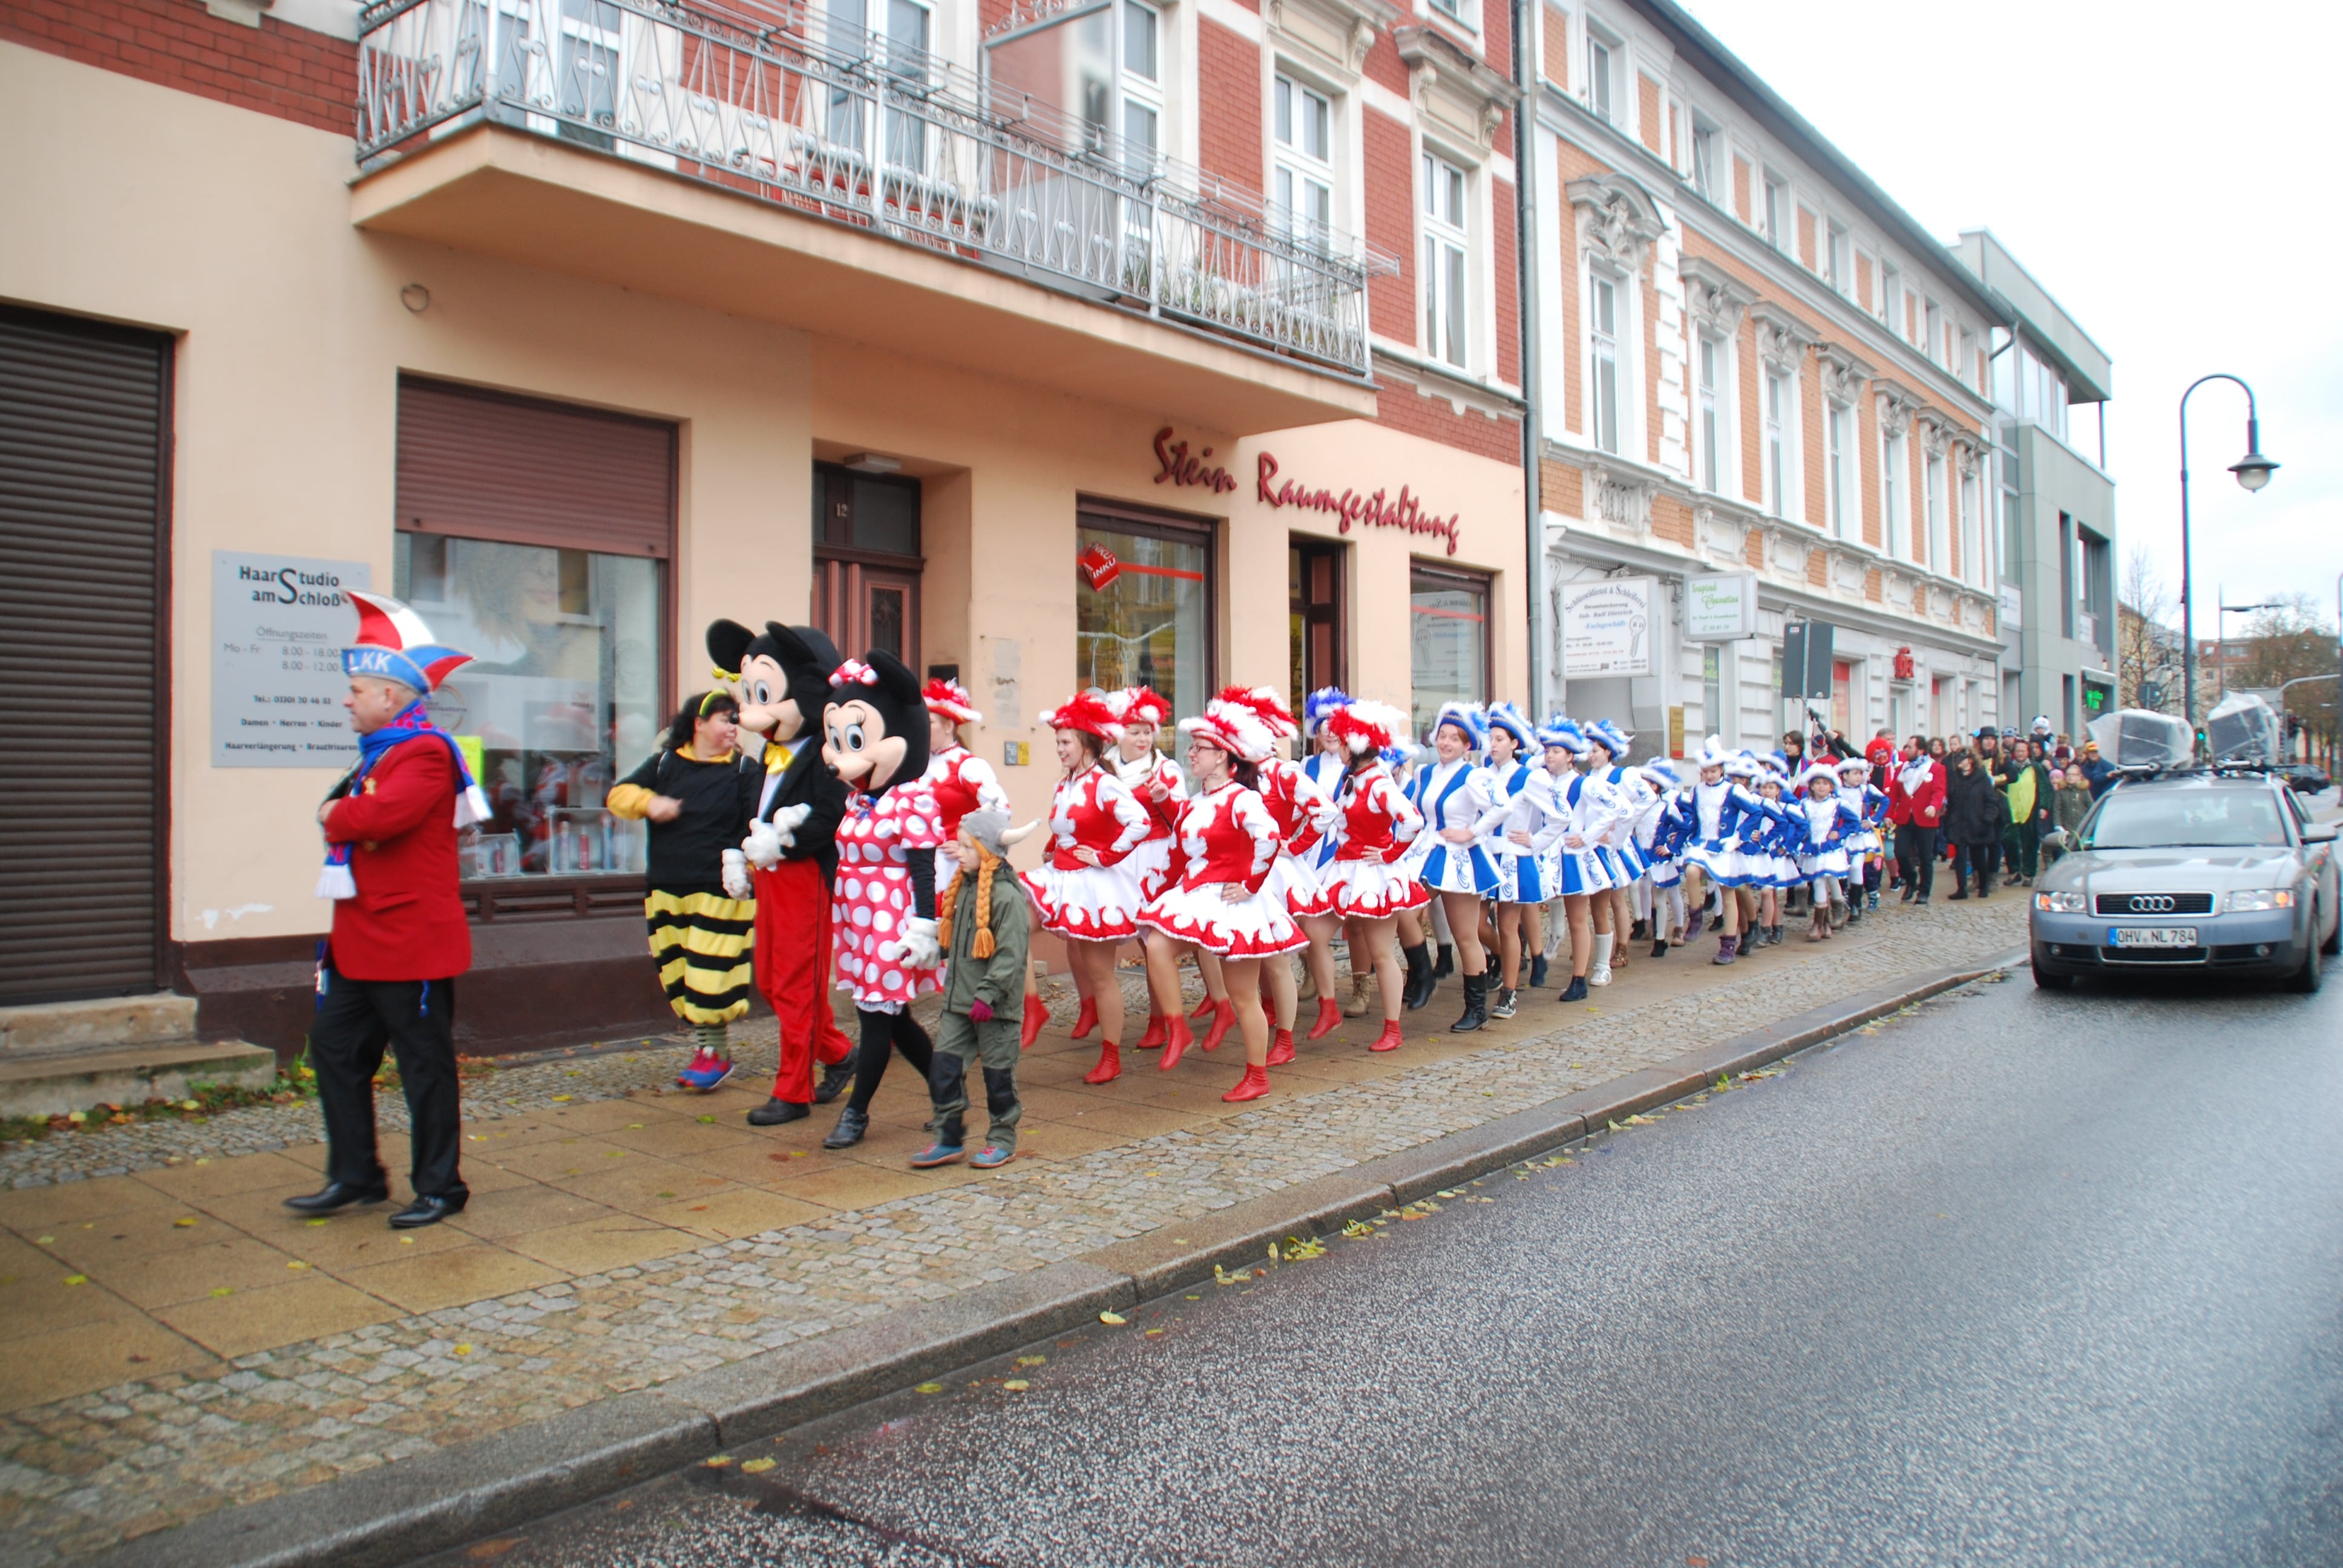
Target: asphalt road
x,y
2016,1278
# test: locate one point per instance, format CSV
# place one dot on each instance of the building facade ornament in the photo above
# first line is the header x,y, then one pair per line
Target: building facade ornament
x,y
1847,569
1721,533
1622,499
1898,404
1965,457
1936,436
1788,548
1782,339
1336,33
1716,299
1843,375
1617,219
1433,59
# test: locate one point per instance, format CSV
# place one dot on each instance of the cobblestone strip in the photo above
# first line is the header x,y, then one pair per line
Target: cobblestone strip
x,y
83,1474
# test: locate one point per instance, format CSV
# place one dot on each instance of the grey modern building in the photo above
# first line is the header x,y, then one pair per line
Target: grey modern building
x,y
2056,503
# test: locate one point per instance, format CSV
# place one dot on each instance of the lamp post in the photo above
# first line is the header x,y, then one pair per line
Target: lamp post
x,y
2221,628
2253,471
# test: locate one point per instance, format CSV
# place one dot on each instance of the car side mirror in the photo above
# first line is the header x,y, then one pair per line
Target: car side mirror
x,y
2320,833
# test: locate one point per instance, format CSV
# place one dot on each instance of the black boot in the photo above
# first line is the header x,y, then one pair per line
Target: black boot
x,y
1447,964
851,1125
1660,948
774,1113
1639,930
1575,990
1537,972
1417,993
1477,1004
834,1080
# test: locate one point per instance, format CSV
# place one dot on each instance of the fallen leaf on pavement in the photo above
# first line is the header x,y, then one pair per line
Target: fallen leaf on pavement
x,y
1033,1360
758,1466
929,1388
1016,1385
481,1550
1116,1320
718,1462
183,1222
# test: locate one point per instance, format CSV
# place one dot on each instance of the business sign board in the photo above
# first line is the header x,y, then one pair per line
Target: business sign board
x,y
279,623
1606,626
1720,607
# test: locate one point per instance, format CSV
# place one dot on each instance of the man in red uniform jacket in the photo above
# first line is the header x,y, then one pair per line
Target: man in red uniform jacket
x,y
386,974
1916,804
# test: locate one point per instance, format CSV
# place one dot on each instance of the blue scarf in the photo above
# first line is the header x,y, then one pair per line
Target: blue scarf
x,y
413,723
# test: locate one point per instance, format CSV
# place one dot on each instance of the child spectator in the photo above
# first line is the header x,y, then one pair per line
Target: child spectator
x,y
984,932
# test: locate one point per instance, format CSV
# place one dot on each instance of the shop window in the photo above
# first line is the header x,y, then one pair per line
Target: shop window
x,y
1448,633
1143,605
1313,583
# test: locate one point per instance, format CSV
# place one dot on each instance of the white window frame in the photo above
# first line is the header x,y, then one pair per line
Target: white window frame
x,y
1780,470
1932,326
1709,154
1447,251
1972,553
1940,549
1895,527
1141,93
1837,416
1891,292
1838,249
1778,210
1710,368
1603,75
1299,173
1607,391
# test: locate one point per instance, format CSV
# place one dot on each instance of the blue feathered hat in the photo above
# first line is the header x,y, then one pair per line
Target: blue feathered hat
x,y
1320,703
1563,731
1611,738
1468,717
1504,716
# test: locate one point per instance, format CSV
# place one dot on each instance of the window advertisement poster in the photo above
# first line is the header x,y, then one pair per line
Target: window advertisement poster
x,y
1606,626
279,623
1721,606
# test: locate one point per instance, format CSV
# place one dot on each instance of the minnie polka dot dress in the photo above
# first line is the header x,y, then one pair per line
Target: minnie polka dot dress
x,y
872,896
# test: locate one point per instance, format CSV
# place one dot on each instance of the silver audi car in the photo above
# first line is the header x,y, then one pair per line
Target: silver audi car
x,y
2191,870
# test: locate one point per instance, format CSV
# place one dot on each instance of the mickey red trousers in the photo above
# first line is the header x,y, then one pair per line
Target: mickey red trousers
x,y
793,959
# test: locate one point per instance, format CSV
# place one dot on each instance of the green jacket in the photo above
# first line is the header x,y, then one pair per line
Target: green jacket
x,y
1001,979
2068,807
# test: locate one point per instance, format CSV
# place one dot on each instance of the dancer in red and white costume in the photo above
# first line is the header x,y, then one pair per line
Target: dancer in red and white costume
x,y
1369,887
1081,892
1154,866
960,780
1305,815
1222,905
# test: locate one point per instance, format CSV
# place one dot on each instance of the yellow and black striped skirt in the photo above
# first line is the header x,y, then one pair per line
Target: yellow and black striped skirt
x,y
701,941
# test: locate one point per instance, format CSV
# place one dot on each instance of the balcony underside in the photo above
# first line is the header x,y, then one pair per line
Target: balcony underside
x,y
536,201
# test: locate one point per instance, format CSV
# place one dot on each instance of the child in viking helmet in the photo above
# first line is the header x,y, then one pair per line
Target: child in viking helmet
x,y
984,928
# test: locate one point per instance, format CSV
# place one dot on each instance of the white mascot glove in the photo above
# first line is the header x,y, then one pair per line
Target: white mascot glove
x,y
736,875
763,846
787,821
918,945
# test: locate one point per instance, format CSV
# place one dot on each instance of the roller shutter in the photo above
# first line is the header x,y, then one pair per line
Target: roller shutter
x,y
483,465
84,699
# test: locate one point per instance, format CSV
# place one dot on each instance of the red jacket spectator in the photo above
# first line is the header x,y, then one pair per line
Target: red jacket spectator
x,y
1922,804
1881,755
406,922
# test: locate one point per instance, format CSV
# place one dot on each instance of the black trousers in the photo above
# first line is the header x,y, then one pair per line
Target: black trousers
x,y
1979,861
417,1019
1915,857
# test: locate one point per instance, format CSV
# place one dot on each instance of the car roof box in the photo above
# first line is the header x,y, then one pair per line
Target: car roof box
x,y
2242,730
2137,737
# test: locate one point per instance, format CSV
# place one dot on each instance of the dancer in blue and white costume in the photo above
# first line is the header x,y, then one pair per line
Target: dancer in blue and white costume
x,y
1825,823
1614,911
1867,847
1658,832
1460,805
1722,808
1523,887
1584,808
1768,861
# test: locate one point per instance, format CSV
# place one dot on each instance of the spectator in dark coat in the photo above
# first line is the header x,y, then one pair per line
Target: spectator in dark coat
x,y
2097,771
1975,815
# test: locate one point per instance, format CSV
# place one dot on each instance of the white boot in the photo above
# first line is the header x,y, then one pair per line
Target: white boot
x,y
1599,972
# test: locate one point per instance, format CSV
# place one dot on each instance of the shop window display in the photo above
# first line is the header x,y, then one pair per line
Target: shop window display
x,y
562,698
1448,630
1142,614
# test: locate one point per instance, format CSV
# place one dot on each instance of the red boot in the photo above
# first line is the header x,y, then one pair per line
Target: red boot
x,y
1110,1065
1330,1017
1222,1024
1202,1008
1281,1050
1037,1013
1252,1085
1176,1040
1389,1039
1086,1017
1154,1038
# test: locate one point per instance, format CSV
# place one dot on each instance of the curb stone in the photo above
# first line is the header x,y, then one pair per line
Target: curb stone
x,y
393,1515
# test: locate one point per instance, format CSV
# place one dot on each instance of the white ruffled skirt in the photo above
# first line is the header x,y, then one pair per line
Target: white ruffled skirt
x,y
1830,862
1084,903
1371,890
1149,867
1726,867
1449,868
1292,882
1253,927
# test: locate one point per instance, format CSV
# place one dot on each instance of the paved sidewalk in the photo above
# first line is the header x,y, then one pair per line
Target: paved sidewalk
x,y
176,1341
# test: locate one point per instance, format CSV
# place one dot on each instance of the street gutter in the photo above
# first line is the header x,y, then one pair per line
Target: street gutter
x,y
391,1515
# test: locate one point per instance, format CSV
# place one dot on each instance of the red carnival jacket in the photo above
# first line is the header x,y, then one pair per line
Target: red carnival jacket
x,y
1924,805
408,922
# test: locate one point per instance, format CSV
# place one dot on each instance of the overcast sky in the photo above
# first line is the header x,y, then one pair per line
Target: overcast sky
x,y
2167,173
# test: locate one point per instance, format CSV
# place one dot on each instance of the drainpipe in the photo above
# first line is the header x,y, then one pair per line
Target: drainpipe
x,y
1526,286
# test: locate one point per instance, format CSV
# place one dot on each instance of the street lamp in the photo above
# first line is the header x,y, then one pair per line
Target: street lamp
x,y
2253,471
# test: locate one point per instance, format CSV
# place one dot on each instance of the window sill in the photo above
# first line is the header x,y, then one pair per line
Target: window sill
x,y
496,901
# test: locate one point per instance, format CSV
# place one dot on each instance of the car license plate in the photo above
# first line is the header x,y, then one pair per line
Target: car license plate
x,y
2151,935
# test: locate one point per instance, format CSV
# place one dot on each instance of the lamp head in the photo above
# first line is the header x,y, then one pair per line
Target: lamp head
x,y
2253,470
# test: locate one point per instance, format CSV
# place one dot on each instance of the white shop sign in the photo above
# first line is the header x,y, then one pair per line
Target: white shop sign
x,y
1721,606
279,623
1606,626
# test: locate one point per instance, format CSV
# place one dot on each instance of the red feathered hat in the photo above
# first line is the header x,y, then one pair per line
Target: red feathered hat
x,y
1086,711
1264,701
1230,722
1366,727
1141,705
949,699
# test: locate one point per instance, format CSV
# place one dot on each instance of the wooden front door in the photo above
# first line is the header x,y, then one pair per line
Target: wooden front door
x,y
863,606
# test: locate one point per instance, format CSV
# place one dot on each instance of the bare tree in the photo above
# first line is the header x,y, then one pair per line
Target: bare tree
x,y
2146,650
2288,641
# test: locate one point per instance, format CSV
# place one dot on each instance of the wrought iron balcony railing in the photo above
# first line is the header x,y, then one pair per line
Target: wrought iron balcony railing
x,y
779,103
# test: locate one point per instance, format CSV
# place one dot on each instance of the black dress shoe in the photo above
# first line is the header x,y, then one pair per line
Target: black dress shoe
x,y
337,1195
773,1113
427,1210
851,1125
834,1080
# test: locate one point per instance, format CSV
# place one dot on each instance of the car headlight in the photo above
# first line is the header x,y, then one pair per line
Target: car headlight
x,y
2059,904
2246,901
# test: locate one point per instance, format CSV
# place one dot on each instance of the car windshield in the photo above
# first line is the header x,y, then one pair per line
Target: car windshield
x,y
2186,818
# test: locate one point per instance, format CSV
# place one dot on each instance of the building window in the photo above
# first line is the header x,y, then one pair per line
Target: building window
x,y
1601,57
1708,160
1444,260
1778,213
1940,552
1450,8
1934,347
1305,166
1150,621
1711,437
1897,532
1972,556
1448,635
1964,363
1143,87
1605,336
1835,455
1838,269
867,564
1777,467
1891,292
1711,689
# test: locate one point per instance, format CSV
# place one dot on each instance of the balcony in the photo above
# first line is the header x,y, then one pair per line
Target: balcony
x,y
761,161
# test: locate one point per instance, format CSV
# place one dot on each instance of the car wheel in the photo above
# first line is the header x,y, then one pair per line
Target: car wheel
x,y
2305,980
2051,979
